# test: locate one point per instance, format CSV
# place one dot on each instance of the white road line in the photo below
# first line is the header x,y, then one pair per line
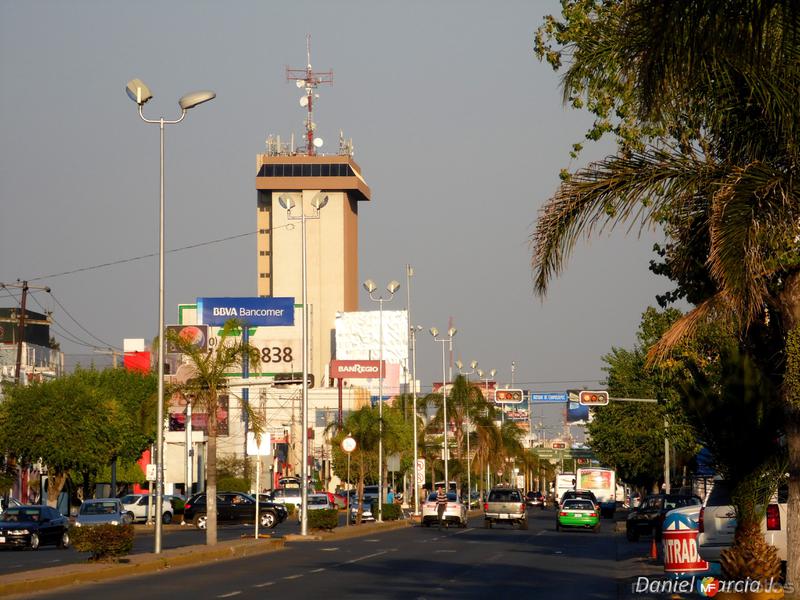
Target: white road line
x,y
320,570
229,594
50,562
355,560
260,585
329,549
542,532
444,551
372,541
298,576
462,531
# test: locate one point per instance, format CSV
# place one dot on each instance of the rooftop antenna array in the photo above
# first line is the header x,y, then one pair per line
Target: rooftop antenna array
x,y
309,79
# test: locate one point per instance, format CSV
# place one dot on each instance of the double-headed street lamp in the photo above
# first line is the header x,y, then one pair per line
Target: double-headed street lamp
x,y
140,93
473,365
318,202
444,340
414,329
370,286
486,380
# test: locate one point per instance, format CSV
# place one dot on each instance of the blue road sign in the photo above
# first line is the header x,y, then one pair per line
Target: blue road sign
x,y
553,397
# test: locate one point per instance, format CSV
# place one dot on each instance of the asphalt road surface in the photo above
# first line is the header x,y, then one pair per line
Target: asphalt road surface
x,y
412,563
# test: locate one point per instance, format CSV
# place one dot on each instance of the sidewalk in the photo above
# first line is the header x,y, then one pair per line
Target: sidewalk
x,y
51,578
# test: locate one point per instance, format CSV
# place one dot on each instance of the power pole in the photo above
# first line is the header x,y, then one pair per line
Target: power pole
x,y
21,320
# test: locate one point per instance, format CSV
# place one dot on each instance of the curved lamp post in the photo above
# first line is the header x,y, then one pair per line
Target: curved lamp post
x,y
444,340
140,93
318,202
473,365
370,286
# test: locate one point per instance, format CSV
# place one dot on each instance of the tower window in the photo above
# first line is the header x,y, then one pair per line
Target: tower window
x,y
263,275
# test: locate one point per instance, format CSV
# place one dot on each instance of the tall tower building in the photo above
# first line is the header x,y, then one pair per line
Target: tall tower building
x,y
331,240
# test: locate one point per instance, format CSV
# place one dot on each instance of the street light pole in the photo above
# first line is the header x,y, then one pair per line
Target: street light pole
x,y
370,286
444,340
140,93
466,374
317,203
485,380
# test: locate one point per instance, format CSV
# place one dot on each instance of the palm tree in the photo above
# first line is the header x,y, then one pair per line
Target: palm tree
x,y
716,83
203,388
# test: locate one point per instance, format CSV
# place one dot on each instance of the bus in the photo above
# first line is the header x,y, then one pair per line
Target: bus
x,y
603,484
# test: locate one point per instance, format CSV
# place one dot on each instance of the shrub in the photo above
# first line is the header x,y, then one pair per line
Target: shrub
x,y
105,542
178,505
233,484
290,509
391,512
327,518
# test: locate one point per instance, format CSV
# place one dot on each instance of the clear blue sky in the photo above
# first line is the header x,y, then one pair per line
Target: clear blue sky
x,y
459,130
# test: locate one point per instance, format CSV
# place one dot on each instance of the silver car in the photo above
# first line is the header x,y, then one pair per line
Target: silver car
x,y
100,511
136,505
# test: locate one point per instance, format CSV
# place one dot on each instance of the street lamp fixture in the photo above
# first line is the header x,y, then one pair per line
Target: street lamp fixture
x,y
317,203
140,93
444,340
392,287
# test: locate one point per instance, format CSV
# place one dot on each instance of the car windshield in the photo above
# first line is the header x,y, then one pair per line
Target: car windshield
x,y
98,508
504,496
21,514
318,500
578,505
129,499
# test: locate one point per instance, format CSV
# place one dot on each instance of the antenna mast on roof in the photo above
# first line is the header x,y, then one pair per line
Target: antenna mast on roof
x,y
310,80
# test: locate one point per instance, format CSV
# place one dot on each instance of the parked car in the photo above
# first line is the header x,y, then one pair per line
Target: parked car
x,y
102,510
454,513
648,518
717,522
27,526
505,505
535,499
136,505
234,507
366,512
578,494
316,502
578,512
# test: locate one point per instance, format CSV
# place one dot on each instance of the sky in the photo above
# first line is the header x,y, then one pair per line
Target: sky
x,y
459,130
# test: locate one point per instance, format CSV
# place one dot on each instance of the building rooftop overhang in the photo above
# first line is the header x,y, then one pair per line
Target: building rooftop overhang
x,y
336,173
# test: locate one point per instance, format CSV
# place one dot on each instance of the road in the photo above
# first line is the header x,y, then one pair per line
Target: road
x,y
407,563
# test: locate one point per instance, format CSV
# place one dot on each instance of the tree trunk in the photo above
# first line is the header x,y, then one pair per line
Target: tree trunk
x,y
793,505
211,477
54,486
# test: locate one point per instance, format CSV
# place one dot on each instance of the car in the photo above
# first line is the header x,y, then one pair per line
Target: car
x,y
648,518
578,494
101,511
136,505
717,522
505,505
315,502
29,526
578,512
455,513
366,512
535,499
340,499
234,507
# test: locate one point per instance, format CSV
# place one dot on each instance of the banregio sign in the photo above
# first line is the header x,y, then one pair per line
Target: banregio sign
x,y
253,312
357,369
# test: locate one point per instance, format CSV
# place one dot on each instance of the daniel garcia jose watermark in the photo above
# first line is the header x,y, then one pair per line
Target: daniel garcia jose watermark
x,y
707,587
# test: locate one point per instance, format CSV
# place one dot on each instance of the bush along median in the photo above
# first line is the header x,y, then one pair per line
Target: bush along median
x,y
324,519
106,542
391,512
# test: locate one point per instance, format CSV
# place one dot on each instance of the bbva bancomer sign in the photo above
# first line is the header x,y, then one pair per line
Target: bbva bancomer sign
x,y
253,312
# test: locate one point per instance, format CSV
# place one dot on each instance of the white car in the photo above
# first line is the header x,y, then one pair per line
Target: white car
x,y
136,507
315,502
454,513
717,522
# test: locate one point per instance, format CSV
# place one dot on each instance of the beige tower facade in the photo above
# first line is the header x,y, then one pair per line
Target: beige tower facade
x,y
331,240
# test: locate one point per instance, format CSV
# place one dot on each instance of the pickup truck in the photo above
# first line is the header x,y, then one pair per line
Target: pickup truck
x,y
505,505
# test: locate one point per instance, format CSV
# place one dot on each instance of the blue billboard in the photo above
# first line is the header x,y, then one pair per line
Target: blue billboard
x,y
253,312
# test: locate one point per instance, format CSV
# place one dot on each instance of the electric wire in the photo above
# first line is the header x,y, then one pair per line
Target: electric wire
x,y
64,333
105,344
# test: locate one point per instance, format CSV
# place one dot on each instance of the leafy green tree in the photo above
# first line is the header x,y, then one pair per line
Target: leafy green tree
x,y
203,389
73,423
711,88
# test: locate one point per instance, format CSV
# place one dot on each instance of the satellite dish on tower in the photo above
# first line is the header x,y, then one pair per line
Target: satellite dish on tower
x,y
300,83
303,101
318,142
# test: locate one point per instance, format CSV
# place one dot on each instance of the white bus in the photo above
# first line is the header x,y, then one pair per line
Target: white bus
x,y
603,484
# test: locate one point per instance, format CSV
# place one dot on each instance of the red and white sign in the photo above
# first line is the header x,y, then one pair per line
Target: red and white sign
x,y
679,540
357,369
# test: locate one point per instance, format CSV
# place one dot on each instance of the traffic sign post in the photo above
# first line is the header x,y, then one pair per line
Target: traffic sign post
x,y
348,445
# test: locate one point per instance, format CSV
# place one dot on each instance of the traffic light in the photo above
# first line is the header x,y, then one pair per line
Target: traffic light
x,y
508,396
559,445
587,398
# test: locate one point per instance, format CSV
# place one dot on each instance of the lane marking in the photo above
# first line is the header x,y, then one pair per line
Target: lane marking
x,y
355,560
329,549
320,570
445,551
228,595
463,531
298,576
260,585
371,541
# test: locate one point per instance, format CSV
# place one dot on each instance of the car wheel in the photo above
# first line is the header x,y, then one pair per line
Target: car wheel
x,y
558,526
34,541
200,521
267,520
131,518
523,524
632,534
166,518
486,524
596,528
64,541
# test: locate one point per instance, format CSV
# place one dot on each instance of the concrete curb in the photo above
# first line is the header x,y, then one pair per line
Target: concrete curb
x,y
343,533
137,564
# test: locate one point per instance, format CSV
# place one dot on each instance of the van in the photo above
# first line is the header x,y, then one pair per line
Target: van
x,y
717,522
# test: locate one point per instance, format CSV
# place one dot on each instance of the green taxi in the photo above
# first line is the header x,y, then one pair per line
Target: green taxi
x,y
578,513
